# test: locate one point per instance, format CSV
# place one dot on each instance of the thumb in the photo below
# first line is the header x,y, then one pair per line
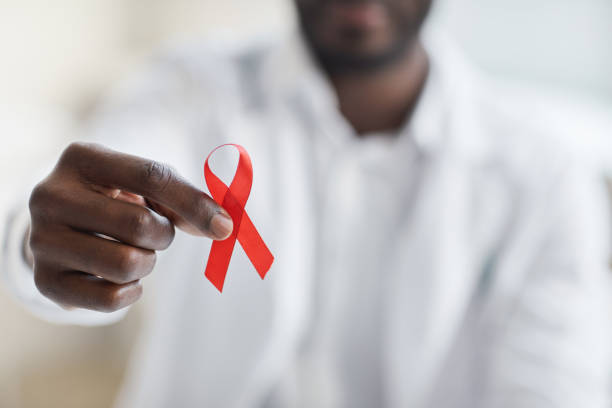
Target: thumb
x,y
221,224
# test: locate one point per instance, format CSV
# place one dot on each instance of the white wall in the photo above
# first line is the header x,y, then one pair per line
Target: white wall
x,y
559,43
557,51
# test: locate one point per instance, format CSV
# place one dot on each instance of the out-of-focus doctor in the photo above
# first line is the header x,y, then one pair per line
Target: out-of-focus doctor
x,y
433,248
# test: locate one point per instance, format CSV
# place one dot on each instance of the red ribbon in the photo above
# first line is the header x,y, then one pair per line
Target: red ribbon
x,y
233,199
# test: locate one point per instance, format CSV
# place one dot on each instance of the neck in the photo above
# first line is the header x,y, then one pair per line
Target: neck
x,y
382,100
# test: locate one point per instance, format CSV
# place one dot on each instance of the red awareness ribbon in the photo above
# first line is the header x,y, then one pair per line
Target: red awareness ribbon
x,y
233,199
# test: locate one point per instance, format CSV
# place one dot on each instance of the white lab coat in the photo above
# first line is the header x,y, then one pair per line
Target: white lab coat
x,y
461,263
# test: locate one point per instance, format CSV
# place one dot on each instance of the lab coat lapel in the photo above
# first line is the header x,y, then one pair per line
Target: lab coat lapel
x,y
434,263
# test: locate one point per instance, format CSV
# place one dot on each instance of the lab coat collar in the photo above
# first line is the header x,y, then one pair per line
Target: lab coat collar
x,y
444,117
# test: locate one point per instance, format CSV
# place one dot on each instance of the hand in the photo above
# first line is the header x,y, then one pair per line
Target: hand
x,y
98,219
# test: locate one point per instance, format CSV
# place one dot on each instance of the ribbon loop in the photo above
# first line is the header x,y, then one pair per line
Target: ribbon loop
x,y
233,199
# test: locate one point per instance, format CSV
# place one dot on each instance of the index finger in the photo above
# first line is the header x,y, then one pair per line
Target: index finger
x,y
155,181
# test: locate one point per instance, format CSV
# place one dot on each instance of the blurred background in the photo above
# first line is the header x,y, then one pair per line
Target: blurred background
x,y
59,57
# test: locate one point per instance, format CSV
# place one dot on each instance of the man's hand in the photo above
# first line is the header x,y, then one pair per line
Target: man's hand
x,y
94,194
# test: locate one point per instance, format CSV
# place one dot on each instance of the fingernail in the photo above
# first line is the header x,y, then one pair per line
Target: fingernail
x,y
221,226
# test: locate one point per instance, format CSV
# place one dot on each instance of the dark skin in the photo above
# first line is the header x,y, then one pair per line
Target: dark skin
x,y
382,101
377,66
372,55
135,201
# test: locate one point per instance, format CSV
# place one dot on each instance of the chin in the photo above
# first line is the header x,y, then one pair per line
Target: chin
x,y
360,36
356,51
358,61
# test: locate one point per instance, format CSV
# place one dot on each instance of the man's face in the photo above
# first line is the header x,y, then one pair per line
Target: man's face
x,y
358,35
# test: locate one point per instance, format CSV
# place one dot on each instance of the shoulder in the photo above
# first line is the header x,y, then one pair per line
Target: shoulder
x,y
490,123
196,72
517,139
215,63
525,148
545,177
518,163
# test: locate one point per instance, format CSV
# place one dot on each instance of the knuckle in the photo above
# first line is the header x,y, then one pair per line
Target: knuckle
x,y
128,264
146,263
36,241
39,281
151,260
43,283
139,226
157,175
48,201
74,152
169,237
79,157
118,297
112,301
40,196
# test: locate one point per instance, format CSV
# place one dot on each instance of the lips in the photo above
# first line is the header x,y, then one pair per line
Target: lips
x,y
367,15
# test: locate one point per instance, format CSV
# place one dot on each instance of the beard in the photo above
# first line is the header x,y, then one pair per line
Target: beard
x,y
346,54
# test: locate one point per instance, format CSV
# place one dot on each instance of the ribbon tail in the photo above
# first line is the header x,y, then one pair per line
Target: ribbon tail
x,y
218,262
254,246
